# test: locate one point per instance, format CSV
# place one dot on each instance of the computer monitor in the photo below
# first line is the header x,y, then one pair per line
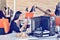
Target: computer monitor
x,y
41,23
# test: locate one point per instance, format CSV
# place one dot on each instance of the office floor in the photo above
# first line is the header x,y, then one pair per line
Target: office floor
x,y
12,36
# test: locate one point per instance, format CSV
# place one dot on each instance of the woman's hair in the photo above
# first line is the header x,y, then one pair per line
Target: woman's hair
x,y
17,14
2,15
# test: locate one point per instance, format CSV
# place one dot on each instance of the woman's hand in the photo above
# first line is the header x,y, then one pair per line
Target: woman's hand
x,y
22,35
24,25
28,30
21,29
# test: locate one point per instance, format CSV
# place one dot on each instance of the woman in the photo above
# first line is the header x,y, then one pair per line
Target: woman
x,y
2,32
15,24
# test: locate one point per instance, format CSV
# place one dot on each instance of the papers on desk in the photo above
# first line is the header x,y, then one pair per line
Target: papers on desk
x,y
29,38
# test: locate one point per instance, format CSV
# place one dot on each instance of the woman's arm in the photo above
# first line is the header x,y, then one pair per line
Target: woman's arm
x,y
23,26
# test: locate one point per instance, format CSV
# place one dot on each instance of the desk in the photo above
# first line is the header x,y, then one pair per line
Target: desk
x,y
12,36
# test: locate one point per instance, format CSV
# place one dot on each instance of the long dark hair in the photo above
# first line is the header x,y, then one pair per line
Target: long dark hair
x,y
17,14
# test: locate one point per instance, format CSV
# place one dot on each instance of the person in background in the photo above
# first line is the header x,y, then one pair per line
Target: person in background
x,y
2,16
57,12
29,15
15,23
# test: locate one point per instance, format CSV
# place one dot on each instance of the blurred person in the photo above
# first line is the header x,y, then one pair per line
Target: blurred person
x,y
15,23
57,12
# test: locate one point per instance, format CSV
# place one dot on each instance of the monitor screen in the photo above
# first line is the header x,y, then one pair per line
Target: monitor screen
x,y
41,23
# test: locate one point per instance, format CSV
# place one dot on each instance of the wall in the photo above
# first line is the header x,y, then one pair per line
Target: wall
x,y
22,4
44,4
2,5
10,3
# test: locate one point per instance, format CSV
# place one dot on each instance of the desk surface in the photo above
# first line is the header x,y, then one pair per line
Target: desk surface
x,y
12,36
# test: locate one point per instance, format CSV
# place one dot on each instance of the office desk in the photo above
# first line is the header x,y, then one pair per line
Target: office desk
x,y
12,36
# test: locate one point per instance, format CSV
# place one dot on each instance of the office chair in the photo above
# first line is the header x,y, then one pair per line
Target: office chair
x,y
4,26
